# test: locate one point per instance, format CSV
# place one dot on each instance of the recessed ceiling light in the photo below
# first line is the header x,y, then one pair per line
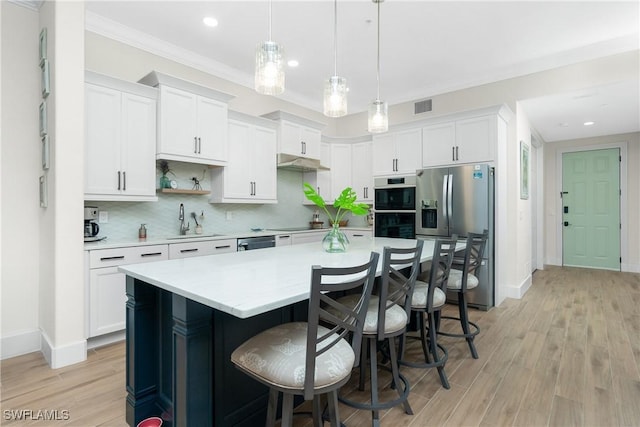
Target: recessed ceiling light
x,y
293,63
563,124
589,123
210,21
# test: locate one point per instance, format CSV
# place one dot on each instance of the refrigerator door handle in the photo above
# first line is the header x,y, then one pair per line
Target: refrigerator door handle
x,y
450,199
445,204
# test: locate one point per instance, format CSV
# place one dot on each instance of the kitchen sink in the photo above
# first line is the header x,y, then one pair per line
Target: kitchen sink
x,y
194,236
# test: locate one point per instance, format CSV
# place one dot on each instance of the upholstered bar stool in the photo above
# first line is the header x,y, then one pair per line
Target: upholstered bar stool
x,y
427,301
462,280
282,357
387,319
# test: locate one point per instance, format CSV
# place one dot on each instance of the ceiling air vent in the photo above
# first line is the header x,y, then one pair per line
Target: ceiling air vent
x,y
422,106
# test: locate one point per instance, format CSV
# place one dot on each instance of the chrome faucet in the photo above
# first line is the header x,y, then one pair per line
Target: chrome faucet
x,y
183,229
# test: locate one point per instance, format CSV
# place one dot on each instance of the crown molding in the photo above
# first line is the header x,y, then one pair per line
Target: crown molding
x,y
29,4
138,39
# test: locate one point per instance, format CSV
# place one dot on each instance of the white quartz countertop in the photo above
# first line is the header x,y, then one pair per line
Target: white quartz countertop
x,y
248,283
163,240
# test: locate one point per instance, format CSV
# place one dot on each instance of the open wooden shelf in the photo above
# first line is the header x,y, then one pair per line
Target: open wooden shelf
x,y
181,191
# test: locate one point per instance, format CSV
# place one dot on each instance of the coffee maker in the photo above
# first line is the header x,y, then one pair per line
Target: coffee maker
x,y
91,227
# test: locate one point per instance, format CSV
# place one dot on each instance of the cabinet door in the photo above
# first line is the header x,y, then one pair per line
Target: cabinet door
x,y
211,129
237,173
138,145
283,240
340,168
178,135
311,142
354,235
361,171
438,144
475,139
384,155
290,142
107,299
263,169
408,151
102,140
320,179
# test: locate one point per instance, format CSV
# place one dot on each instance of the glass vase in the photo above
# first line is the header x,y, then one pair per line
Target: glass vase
x,y
165,182
335,241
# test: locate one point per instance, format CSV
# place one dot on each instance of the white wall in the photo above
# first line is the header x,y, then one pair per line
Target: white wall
x,y
19,172
552,190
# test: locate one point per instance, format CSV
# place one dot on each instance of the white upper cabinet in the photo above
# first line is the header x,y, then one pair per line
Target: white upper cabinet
x,y
250,175
297,136
340,169
463,140
320,179
362,171
120,133
192,121
397,153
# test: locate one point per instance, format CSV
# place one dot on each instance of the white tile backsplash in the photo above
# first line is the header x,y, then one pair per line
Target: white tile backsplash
x,y
161,217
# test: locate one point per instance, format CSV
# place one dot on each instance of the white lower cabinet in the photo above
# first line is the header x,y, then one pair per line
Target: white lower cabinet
x,y
353,235
202,248
107,296
309,237
284,239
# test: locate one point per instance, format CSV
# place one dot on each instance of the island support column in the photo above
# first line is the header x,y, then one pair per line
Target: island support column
x,y
142,349
192,363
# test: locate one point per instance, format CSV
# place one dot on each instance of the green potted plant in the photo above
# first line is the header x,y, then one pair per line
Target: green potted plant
x,y
336,240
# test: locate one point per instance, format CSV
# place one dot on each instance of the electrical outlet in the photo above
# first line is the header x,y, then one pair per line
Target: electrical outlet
x,y
103,217
229,215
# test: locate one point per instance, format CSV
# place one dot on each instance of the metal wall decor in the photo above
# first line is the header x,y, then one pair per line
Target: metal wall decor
x,y
45,90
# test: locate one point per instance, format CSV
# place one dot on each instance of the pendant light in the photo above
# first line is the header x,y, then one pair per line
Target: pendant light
x,y
378,110
269,77
335,87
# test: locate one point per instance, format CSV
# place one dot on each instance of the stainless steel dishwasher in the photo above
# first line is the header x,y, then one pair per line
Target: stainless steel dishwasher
x,y
251,243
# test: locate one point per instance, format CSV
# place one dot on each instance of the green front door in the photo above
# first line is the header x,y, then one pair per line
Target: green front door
x,y
591,209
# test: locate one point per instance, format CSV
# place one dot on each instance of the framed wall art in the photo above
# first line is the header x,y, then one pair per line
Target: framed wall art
x,y
43,118
44,81
45,152
524,170
43,45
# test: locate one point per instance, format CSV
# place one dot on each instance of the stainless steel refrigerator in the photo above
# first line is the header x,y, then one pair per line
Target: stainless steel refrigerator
x,y
459,200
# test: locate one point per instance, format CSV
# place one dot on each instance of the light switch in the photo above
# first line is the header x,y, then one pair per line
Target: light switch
x,y
229,215
103,217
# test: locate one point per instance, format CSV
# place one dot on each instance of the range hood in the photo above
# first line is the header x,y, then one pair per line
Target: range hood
x,y
288,161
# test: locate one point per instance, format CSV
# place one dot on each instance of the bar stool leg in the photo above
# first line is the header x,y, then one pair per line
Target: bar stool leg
x,y
272,407
464,320
396,375
374,381
434,351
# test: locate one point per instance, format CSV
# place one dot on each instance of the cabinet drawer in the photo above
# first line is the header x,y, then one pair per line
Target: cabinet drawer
x,y
209,247
120,256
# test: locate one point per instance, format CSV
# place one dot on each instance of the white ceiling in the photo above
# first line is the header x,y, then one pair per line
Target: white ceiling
x,y
427,48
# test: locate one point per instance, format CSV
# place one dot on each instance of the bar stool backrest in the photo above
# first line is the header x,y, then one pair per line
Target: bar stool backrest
x,y
327,282
443,252
400,267
476,243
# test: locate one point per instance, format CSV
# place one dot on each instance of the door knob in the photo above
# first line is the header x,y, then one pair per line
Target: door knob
x,y
566,223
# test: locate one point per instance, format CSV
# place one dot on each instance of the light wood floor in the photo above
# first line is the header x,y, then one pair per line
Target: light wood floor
x,y
567,354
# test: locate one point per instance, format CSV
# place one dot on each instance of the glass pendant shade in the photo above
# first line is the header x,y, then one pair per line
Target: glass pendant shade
x,y
335,96
378,117
269,78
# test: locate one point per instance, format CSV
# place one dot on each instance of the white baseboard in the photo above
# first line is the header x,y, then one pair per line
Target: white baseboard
x,y
630,268
19,344
518,292
65,355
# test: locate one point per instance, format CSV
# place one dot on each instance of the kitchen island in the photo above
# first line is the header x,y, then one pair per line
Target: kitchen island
x,y
186,316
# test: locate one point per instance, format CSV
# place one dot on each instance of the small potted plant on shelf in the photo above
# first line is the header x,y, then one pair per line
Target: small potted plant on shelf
x,y
165,182
336,240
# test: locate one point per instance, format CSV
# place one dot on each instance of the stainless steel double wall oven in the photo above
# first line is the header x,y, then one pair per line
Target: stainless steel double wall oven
x,y
395,207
